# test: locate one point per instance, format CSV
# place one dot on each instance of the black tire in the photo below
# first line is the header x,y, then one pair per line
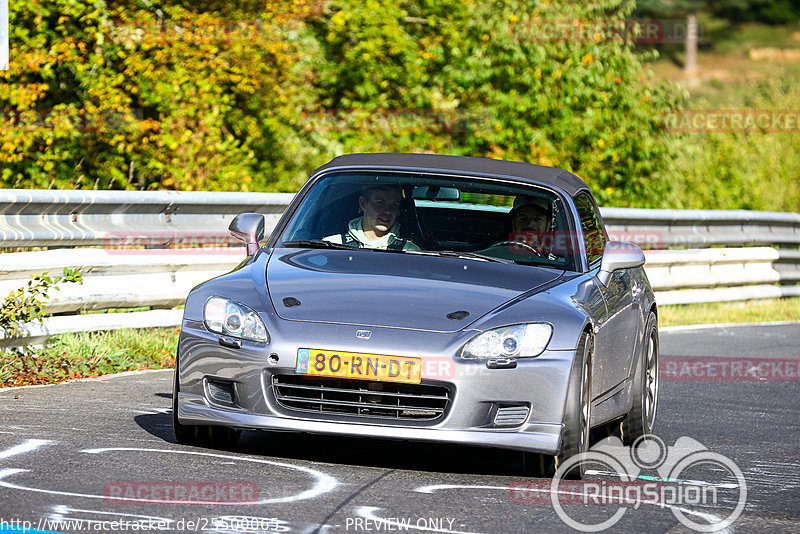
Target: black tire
x,y
222,437
218,437
186,434
577,416
642,417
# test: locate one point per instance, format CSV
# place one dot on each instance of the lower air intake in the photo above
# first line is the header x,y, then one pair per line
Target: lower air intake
x,y
511,415
384,400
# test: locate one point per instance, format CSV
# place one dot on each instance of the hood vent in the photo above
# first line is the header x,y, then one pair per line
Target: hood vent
x,y
291,302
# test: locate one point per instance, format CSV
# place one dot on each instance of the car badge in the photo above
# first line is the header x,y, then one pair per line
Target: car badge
x,y
363,334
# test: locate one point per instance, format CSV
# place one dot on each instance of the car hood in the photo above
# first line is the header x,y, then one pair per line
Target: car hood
x,y
398,290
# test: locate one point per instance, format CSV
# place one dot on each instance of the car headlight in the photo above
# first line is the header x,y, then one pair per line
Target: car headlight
x,y
230,318
517,341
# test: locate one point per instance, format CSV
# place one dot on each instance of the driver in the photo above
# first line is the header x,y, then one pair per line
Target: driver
x,y
530,224
530,214
377,227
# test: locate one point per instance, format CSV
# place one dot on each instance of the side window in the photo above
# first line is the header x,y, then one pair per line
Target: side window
x,y
592,226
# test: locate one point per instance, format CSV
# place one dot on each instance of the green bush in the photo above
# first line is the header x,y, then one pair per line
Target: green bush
x,y
26,303
149,96
186,95
484,79
729,170
88,354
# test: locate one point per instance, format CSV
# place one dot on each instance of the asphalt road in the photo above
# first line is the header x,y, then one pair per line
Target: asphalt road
x,y
64,450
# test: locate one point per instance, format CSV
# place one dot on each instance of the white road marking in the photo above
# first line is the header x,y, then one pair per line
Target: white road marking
x,y
91,379
324,483
711,518
436,487
655,479
153,412
27,446
686,328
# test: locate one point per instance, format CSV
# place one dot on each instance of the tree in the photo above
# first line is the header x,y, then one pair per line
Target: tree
x,y
768,11
491,79
246,96
152,96
678,8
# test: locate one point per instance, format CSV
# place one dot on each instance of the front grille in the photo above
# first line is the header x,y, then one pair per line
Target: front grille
x,y
385,400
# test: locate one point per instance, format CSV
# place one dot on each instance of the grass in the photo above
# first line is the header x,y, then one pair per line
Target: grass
x,y
91,354
751,311
726,72
728,169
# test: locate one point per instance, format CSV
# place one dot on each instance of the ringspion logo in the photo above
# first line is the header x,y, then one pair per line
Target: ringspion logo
x,y
687,477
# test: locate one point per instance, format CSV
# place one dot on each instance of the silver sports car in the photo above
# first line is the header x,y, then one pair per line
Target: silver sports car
x,y
426,297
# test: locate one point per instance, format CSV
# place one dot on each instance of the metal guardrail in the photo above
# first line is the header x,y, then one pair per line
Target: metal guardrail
x,y
41,218
747,267
661,228
32,217
721,274
118,278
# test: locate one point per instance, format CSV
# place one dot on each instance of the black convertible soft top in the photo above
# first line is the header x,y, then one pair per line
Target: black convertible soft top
x,y
482,166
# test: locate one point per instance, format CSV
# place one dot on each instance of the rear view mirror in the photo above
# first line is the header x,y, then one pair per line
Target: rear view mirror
x,y
433,192
619,255
249,227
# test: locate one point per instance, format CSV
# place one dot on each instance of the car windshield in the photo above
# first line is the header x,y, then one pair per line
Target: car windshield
x,y
481,219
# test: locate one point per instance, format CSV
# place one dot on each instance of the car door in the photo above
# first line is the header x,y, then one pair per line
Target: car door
x,y
616,334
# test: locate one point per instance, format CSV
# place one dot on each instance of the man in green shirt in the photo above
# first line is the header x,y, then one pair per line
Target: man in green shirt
x,y
377,227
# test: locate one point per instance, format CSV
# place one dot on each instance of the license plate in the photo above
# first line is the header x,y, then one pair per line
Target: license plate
x,y
358,365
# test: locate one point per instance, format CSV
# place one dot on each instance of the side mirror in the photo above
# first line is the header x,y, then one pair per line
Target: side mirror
x,y
619,255
249,227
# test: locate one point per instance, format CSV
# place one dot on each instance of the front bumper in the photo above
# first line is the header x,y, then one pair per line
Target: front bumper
x,y
539,384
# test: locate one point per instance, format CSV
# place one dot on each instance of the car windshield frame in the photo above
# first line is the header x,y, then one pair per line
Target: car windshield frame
x,y
287,229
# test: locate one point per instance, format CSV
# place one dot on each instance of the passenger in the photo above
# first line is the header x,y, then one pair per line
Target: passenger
x,y
377,227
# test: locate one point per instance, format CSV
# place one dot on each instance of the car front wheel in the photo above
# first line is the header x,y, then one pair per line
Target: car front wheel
x,y
577,416
218,437
642,417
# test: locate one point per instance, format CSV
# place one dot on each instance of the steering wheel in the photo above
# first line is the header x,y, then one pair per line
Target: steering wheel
x,y
522,244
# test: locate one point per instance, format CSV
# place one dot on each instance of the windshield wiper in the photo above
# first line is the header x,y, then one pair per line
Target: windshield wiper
x,y
461,254
320,243
314,243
